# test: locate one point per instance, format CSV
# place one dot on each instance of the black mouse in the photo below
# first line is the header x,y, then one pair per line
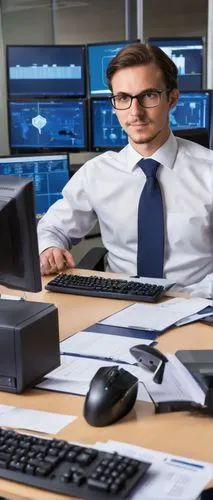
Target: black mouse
x,y
112,394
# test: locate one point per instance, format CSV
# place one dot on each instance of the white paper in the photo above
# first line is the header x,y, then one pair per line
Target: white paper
x,y
102,345
34,420
74,375
156,317
170,477
192,318
177,385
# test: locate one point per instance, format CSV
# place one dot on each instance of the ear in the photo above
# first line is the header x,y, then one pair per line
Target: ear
x,y
173,98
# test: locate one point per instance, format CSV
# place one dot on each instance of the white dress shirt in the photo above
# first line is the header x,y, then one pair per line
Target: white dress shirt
x,y
108,188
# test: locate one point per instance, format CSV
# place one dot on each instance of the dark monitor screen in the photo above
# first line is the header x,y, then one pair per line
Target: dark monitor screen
x,y
106,132
198,135
99,55
193,110
47,125
19,257
188,55
49,174
46,71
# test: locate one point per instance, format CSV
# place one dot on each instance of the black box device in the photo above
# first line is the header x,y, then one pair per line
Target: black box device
x,y
29,343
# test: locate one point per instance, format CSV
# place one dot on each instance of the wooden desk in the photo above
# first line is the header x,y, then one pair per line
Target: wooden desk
x,y
178,433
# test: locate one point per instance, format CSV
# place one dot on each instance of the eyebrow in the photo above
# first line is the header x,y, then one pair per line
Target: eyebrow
x,y
151,89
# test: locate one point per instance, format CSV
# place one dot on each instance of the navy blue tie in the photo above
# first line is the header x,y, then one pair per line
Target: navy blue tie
x,y
150,223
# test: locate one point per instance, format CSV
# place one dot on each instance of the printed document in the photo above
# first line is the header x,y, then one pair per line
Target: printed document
x,y
170,477
75,373
156,317
33,420
101,345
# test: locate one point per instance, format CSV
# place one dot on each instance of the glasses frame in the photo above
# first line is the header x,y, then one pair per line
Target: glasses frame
x,y
138,97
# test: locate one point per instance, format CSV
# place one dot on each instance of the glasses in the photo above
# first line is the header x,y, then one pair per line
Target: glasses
x,y
146,99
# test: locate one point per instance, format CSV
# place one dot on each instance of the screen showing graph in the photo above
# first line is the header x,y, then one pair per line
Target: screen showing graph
x,y
49,174
188,55
47,125
99,55
193,110
106,132
46,71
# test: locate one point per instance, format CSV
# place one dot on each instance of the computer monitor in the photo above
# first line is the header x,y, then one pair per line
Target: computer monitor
x,y
38,126
188,55
106,132
99,55
46,71
198,135
19,257
49,172
193,110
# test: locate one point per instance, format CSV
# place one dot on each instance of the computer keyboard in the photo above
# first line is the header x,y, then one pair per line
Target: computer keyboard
x,y
67,468
96,286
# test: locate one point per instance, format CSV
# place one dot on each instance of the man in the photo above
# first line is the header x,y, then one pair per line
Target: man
x,y
109,188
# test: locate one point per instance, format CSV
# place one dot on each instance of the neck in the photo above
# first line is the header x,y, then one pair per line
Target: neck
x,y
149,148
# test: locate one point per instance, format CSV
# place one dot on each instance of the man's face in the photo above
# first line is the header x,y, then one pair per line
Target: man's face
x,y
144,125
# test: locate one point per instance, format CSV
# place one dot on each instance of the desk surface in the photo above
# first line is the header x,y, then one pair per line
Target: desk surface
x,y
178,433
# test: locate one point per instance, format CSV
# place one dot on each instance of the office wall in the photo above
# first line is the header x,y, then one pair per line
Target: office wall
x,y
88,21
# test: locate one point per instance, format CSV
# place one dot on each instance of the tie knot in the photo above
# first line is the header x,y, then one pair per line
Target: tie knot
x,y
149,167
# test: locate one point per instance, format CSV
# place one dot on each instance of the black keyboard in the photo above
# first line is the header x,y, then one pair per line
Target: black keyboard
x,y
67,468
109,288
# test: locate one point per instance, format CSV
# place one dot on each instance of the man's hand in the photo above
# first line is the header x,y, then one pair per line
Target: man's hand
x,y
53,260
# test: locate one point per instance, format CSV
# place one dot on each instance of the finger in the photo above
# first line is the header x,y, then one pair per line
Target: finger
x,y
44,266
58,259
69,259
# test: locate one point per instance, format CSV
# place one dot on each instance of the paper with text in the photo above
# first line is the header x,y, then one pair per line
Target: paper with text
x,y
156,316
170,477
75,373
101,345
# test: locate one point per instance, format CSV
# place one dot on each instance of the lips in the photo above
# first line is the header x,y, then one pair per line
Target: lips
x,y
139,124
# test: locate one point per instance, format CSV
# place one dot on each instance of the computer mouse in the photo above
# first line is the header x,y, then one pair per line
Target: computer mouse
x,y
112,394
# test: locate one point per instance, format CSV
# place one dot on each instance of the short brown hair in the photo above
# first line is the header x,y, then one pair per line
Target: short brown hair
x,y
137,54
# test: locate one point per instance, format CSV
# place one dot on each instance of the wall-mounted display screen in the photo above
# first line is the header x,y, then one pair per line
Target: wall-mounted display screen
x,y
46,71
99,55
188,55
193,110
47,125
106,132
49,174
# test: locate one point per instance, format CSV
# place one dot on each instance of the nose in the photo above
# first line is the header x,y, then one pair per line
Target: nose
x,y
136,108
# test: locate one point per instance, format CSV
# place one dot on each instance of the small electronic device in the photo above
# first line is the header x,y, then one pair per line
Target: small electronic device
x,y
46,71
68,468
112,394
151,358
49,172
47,125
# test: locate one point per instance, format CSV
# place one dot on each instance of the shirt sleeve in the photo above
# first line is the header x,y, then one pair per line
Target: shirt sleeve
x,y
70,218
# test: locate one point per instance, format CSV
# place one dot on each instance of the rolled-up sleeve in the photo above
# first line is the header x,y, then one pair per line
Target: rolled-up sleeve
x,y
70,218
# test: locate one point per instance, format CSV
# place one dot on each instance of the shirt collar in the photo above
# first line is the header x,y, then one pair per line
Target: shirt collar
x,y
165,155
